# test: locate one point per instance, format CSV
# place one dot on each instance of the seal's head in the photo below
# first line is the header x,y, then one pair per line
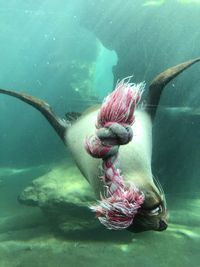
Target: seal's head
x,y
153,213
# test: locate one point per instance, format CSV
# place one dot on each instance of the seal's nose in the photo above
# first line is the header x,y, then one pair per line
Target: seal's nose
x,y
162,226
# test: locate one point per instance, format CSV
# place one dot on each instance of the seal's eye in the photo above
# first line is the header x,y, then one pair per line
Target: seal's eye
x,y
155,211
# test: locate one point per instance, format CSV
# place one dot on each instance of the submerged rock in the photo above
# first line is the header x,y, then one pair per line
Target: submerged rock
x,y
64,196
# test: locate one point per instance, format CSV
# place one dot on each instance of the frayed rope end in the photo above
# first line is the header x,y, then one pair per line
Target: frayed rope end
x,y
118,211
119,106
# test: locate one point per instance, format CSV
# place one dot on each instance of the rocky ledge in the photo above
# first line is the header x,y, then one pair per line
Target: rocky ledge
x,y
64,196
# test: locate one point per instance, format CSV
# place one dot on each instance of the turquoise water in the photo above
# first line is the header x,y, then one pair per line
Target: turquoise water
x,y
71,53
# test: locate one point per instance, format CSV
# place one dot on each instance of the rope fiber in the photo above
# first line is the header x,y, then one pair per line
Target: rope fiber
x,y
120,203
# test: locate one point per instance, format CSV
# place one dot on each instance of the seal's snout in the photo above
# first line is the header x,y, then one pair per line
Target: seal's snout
x,y
162,225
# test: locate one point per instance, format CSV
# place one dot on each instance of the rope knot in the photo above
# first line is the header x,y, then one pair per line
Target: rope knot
x,y
115,134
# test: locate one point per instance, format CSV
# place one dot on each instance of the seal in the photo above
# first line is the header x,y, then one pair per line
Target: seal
x,y
134,157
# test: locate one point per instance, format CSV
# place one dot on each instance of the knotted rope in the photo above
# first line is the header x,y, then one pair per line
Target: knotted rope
x,y
117,208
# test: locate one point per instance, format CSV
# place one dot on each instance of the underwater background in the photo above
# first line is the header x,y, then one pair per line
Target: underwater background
x,y
71,53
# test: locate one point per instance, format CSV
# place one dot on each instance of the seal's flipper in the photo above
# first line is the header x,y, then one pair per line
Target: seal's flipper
x,y
59,125
157,85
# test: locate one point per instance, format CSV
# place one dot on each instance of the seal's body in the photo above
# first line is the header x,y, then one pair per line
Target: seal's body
x,y
135,157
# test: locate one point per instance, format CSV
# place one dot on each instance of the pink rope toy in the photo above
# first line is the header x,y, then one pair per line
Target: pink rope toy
x,y
117,209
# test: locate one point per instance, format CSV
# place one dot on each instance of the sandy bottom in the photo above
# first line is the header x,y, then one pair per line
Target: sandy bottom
x,y
27,239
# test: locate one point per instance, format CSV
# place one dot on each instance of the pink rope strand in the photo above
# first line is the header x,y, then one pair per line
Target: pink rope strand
x,y
117,209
